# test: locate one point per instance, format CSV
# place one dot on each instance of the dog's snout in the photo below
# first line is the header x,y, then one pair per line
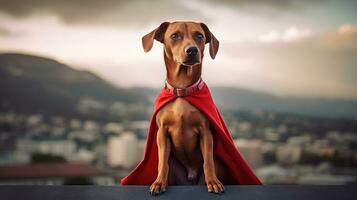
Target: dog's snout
x,y
191,51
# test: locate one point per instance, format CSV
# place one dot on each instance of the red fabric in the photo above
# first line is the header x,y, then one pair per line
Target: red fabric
x,y
146,171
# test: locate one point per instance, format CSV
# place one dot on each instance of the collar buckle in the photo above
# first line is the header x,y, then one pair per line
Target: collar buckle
x,y
183,92
180,92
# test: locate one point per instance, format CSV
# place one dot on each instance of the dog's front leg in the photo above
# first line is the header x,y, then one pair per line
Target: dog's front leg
x,y
164,148
206,144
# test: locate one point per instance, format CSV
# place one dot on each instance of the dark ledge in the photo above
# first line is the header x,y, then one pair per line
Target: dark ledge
x,y
272,192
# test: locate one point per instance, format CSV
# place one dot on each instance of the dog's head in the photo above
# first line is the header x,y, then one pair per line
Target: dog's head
x,y
184,42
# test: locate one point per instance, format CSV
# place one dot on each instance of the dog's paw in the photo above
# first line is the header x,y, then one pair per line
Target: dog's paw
x,y
158,187
214,185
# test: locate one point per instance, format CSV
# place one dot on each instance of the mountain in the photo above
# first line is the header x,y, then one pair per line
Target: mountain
x,y
32,84
230,98
240,99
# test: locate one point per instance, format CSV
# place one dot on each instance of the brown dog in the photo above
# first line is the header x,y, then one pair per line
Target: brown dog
x,y
184,131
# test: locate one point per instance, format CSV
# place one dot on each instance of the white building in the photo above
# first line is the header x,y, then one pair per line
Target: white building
x,y
113,127
83,155
300,141
275,174
288,154
90,126
14,157
244,126
84,136
270,134
64,148
123,150
34,120
251,150
75,124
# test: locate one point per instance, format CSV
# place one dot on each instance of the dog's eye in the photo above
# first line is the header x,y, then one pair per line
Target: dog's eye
x,y
175,36
199,36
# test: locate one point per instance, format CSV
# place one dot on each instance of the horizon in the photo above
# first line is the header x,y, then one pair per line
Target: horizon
x,y
307,51
251,90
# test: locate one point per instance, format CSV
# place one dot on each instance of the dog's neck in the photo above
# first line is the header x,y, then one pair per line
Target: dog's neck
x,y
181,76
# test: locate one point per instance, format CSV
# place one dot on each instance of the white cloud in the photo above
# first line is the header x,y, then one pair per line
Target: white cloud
x,y
320,65
347,28
290,34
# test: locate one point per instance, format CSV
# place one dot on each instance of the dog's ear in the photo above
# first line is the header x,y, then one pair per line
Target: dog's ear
x,y
213,42
157,34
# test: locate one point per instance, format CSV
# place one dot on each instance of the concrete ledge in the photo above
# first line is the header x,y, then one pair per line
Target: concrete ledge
x,y
271,192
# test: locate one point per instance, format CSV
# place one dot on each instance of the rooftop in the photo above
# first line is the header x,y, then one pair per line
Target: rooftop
x,y
270,192
45,170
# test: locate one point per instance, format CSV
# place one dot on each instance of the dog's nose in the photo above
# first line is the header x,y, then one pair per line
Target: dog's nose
x,y
191,51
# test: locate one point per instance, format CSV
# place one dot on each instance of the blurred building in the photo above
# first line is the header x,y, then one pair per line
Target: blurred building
x,y
53,174
123,150
83,155
83,136
64,148
113,127
34,120
75,124
275,174
244,126
270,134
300,141
15,157
140,127
288,154
251,150
100,151
90,126
326,179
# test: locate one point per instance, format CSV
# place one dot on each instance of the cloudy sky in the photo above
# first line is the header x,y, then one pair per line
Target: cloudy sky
x,y
285,47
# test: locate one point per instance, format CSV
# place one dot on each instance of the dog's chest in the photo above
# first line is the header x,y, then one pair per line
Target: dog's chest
x,y
182,121
180,113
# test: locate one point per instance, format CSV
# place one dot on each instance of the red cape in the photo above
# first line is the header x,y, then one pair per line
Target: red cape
x,y
146,171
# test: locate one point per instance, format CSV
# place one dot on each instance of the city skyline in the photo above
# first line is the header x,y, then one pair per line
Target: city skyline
x,y
299,48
